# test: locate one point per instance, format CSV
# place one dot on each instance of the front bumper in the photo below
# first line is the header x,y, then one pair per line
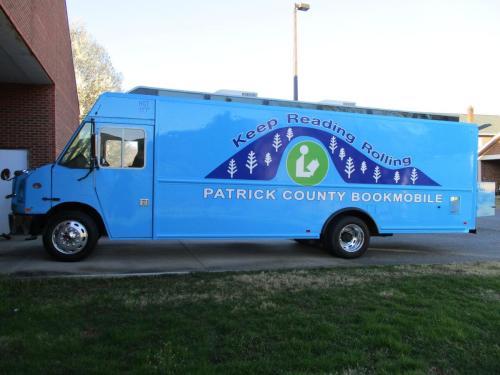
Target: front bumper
x,y
26,224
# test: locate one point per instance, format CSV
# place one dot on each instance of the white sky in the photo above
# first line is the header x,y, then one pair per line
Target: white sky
x,y
435,56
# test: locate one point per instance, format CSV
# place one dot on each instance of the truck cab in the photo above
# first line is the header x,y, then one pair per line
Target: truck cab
x,y
101,184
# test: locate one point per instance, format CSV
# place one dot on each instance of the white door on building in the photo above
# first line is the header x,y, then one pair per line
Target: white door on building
x,y
13,160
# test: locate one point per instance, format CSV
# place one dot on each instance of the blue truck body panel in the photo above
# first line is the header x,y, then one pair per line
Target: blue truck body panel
x,y
226,169
196,186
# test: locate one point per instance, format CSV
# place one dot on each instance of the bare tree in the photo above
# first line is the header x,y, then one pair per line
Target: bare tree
x,y
94,71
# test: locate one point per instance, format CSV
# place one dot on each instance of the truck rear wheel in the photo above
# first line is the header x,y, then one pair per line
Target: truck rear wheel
x,y
70,236
347,237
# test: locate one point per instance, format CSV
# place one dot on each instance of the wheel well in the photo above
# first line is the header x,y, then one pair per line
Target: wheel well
x,y
356,212
89,210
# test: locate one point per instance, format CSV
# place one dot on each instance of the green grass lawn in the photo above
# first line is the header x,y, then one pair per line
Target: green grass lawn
x,y
407,319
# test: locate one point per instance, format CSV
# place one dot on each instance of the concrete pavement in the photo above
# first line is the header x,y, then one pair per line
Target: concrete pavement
x,y
27,258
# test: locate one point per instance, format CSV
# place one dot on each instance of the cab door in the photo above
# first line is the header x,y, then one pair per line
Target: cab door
x,y
124,179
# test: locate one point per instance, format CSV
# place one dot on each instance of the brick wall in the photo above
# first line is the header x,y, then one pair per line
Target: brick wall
x,y
27,121
43,25
491,172
490,169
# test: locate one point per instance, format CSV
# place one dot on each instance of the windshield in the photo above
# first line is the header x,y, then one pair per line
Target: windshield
x,y
78,153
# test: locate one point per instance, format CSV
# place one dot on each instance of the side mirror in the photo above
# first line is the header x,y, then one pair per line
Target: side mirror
x,y
5,175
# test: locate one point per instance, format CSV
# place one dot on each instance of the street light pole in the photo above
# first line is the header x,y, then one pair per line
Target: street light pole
x,y
302,7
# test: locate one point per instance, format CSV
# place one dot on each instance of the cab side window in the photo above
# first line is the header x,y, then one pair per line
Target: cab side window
x,y
121,148
111,148
133,148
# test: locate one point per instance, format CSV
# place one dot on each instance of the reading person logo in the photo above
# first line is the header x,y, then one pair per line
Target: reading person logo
x,y
307,163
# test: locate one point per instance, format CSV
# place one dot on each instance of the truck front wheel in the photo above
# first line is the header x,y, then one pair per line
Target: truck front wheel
x,y
347,237
70,236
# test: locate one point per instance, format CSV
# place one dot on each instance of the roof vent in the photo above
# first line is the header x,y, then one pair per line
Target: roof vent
x,y
246,94
339,103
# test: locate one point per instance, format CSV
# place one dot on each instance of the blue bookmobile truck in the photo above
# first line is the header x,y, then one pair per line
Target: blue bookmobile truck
x,y
164,164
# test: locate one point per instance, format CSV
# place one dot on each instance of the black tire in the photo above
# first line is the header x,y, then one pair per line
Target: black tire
x,y
308,242
58,240
347,237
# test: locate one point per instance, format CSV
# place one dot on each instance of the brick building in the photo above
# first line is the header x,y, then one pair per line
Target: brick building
x,y
489,163
38,97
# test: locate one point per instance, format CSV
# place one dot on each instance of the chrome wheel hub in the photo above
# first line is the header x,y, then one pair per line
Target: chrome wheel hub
x,y
69,237
351,238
